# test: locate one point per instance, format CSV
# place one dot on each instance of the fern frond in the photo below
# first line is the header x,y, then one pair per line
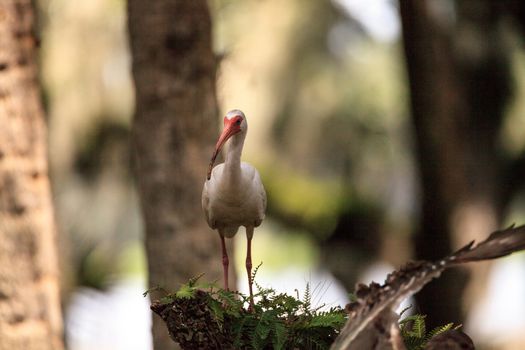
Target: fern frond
x,y
217,309
192,281
277,321
262,330
166,300
210,286
157,288
185,292
414,333
313,342
419,328
439,330
254,273
413,326
280,334
238,331
414,343
328,319
231,304
307,298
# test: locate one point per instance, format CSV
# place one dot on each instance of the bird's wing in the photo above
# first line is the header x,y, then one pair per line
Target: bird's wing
x,y
208,191
258,194
257,182
205,202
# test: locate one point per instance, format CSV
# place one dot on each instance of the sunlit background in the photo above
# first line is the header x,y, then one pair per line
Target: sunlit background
x,y
324,87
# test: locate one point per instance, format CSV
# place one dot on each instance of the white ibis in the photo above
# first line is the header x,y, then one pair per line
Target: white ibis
x,y
233,193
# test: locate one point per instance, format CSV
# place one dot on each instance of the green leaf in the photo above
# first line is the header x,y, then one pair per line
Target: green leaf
x,y
185,292
217,309
237,330
263,329
439,330
418,329
166,300
155,289
280,335
332,320
254,273
307,299
192,281
413,326
414,333
278,321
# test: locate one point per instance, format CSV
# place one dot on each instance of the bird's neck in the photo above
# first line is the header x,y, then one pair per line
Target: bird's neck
x,y
232,162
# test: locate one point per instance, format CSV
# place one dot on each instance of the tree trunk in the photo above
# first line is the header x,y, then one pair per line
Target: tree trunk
x,y
458,97
174,130
30,315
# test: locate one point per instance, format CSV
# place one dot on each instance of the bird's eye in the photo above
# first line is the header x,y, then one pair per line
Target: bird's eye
x,y
238,122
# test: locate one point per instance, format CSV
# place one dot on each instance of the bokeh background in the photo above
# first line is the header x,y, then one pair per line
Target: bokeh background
x,y
335,135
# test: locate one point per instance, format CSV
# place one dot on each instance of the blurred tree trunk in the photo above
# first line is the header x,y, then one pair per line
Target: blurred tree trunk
x,y
174,131
460,83
30,315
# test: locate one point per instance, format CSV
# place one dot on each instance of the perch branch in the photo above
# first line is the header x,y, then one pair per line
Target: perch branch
x,y
378,302
372,322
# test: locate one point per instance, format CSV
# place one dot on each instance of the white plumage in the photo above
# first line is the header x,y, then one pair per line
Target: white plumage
x,y
230,203
233,194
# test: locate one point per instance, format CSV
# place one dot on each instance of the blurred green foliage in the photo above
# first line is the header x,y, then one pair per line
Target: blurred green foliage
x,y
302,200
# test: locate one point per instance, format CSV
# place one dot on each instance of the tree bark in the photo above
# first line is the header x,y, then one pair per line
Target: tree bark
x,y
174,130
30,315
460,83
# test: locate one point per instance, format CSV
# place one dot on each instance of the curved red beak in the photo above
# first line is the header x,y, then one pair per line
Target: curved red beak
x,y
230,128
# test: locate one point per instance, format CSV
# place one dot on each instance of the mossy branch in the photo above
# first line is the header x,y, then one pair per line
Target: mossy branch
x,y
212,318
200,316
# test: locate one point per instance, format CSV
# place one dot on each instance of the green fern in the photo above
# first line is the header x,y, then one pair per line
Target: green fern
x,y
185,292
280,335
414,326
217,309
307,299
254,273
413,330
439,330
332,319
280,321
192,281
277,321
157,288
238,331
263,329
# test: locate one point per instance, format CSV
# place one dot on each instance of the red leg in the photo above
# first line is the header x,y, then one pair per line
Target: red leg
x,y
225,262
249,235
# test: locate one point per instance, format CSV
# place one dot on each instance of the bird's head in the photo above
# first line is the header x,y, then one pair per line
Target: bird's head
x,y
234,123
